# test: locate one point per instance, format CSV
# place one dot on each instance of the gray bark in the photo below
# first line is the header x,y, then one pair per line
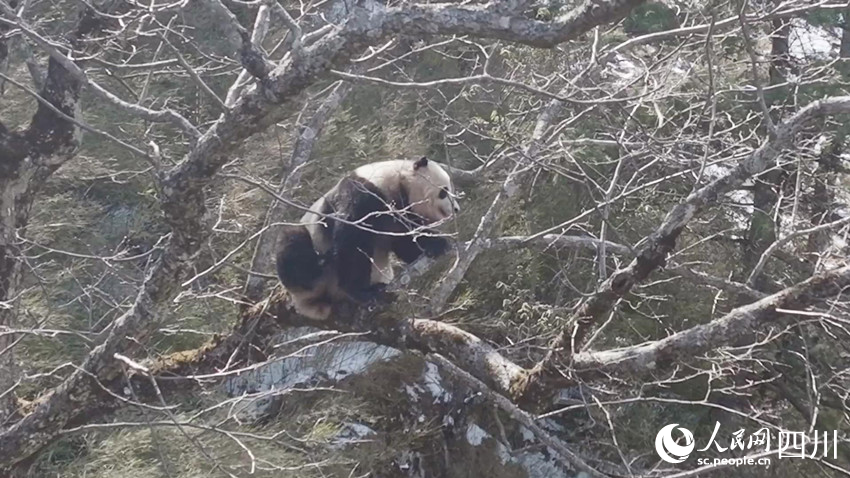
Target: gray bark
x,y
27,158
639,360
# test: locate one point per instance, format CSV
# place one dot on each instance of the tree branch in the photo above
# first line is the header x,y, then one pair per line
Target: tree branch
x,y
662,241
682,346
519,415
785,240
165,115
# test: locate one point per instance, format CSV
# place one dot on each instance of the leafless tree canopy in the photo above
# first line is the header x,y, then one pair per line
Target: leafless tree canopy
x,y
654,230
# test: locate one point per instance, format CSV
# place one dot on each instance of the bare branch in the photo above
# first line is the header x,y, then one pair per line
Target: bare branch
x,y
482,79
717,282
261,27
652,356
79,123
165,115
194,75
294,28
785,240
754,68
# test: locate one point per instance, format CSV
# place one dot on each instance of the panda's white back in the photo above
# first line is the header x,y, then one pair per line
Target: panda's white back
x,y
385,175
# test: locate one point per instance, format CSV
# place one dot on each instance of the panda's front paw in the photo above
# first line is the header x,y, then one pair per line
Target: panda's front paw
x,y
434,246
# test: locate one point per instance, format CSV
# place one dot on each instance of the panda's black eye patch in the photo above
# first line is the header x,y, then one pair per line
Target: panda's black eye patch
x,y
443,193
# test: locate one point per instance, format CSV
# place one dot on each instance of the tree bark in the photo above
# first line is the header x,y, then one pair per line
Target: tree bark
x,y
638,360
27,158
762,229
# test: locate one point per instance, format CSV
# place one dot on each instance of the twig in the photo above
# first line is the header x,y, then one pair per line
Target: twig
x,y
77,122
165,115
771,128
195,76
781,242
484,78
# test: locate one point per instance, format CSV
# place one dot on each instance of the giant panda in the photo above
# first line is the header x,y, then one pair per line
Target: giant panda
x,y
340,250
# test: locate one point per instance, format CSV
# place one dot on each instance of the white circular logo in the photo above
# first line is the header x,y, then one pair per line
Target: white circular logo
x,y
668,449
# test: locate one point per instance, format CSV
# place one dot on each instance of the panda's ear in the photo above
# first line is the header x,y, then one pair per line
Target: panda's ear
x,y
420,163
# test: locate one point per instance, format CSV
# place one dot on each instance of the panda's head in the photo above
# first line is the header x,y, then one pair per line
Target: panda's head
x,y
430,191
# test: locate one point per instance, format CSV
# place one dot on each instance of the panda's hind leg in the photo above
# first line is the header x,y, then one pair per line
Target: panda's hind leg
x,y
298,264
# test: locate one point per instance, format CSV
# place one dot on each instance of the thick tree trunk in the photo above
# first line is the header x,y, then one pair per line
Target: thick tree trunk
x,y
761,232
27,159
844,49
14,208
